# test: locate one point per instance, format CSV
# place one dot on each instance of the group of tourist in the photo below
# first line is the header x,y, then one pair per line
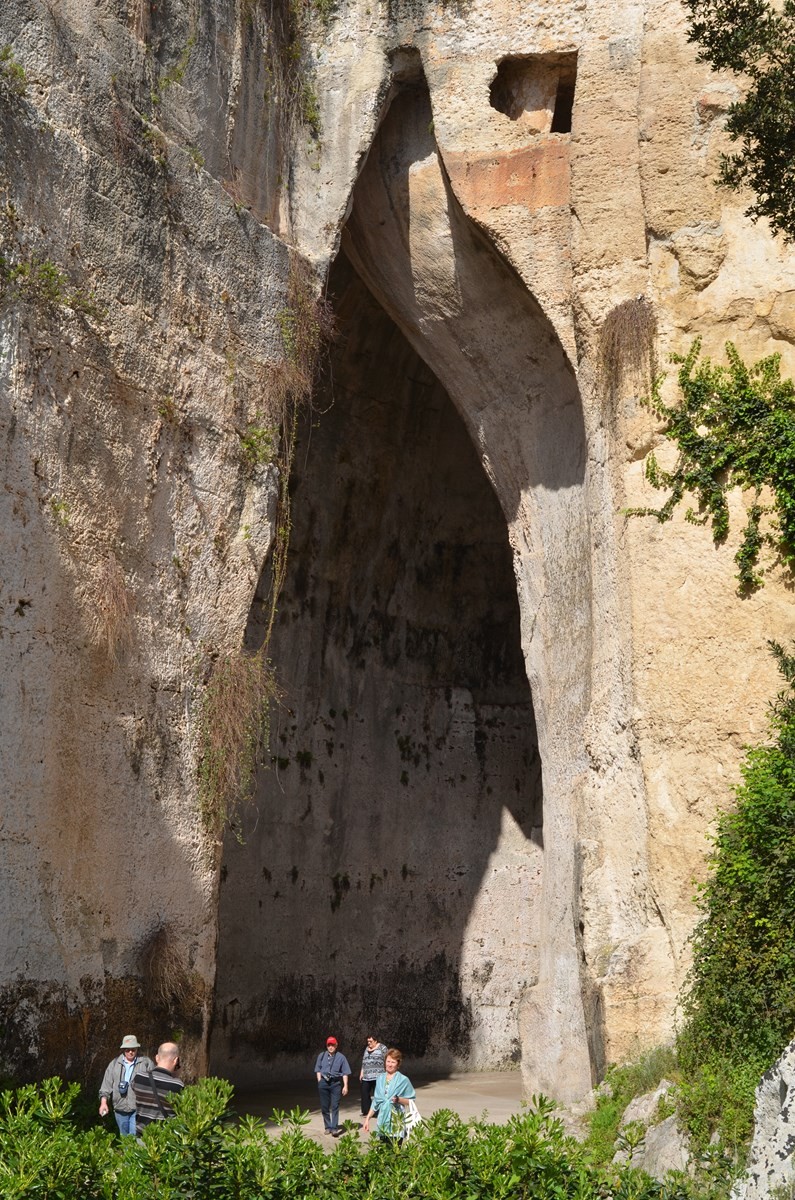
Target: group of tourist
x,y
140,1091
385,1093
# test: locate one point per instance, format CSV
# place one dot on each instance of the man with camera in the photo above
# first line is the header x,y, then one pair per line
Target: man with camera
x,y
117,1084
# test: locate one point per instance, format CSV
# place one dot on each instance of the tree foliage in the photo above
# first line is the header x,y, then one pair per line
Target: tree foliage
x,y
756,38
734,427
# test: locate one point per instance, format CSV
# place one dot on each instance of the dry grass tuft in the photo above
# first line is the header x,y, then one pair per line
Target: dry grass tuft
x,y
108,607
307,322
233,726
627,346
170,986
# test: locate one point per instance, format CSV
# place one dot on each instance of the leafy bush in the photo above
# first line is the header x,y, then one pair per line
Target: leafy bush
x,y
44,1153
739,1005
258,444
754,38
202,1153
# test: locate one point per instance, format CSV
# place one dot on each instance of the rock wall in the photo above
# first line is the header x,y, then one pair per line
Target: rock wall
x,y
769,1171
133,534
500,180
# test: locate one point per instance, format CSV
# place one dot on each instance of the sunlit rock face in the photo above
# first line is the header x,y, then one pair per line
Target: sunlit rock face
x,y
546,703
770,1158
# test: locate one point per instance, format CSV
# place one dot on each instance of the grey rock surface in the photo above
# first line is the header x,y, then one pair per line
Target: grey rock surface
x,y
643,1108
770,1161
665,1148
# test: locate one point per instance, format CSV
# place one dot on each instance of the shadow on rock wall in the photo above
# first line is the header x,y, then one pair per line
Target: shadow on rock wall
x,y
389,877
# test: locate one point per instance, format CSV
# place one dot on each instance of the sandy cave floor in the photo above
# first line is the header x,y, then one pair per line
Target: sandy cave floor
x,y
497,1095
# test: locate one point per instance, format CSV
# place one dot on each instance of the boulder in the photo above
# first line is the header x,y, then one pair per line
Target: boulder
x,y
770,1165
664,1146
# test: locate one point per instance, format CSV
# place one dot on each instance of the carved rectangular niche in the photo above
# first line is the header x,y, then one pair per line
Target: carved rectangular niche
x,y
537,89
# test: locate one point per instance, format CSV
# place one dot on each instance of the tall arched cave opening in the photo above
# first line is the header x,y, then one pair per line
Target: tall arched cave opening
x,y
388,876
390,873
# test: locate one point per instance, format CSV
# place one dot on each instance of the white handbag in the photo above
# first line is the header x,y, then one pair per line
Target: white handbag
x,y
412,1118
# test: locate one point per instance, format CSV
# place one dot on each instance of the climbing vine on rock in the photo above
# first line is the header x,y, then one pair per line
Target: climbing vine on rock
x,y
734,427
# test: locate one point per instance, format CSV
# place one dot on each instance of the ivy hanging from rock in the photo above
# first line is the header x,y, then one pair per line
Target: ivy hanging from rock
x,y
734,427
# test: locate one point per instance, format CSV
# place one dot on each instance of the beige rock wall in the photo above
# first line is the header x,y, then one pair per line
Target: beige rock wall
x,y
622,205
146,161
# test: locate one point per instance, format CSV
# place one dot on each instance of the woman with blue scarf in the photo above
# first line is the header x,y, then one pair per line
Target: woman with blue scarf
x,y
390,1103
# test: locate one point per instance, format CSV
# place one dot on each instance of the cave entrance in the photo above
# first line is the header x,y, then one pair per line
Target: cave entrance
x,y
388,877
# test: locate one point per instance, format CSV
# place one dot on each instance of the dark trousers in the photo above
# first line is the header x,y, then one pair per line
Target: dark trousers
x,y
330,1093
368,1087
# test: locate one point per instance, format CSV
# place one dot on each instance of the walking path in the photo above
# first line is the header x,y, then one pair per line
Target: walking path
x,y
495,1094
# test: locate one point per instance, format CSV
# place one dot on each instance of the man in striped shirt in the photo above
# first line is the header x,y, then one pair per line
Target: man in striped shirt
x,y
154,1089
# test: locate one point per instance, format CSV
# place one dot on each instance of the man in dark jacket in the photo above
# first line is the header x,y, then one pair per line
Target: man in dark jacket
x,y
332,1072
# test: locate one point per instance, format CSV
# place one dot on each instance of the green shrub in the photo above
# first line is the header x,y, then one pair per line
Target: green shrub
x,y
43,1153
202,1153
739,1004
43,282
258,444
717,1094
13,79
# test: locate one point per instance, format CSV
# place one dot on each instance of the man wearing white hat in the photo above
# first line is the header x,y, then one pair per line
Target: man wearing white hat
x,y
117,1084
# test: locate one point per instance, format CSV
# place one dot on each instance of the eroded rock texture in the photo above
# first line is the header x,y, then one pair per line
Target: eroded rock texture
x,y
133,536
770,1166
508,715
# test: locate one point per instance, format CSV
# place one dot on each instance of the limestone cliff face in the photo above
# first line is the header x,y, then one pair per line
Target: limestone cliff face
x,y
133,534
508,715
